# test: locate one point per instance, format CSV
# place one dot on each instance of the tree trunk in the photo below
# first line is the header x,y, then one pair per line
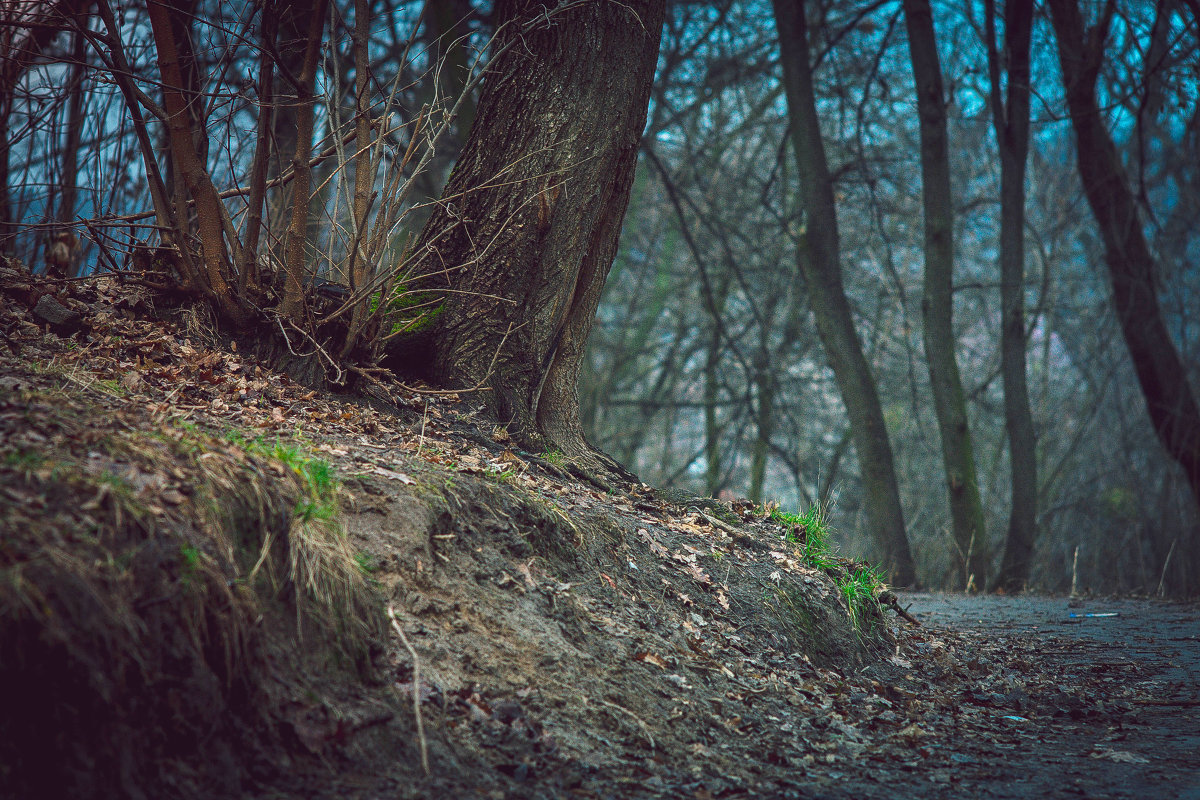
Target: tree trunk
x,y
75,122
937,303
295,258
1011,121
20,45
835,324
764,419
527,227
186,142
712,430
1163,378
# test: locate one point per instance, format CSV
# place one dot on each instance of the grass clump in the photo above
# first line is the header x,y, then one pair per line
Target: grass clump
x,y
859,584
149,575
318,477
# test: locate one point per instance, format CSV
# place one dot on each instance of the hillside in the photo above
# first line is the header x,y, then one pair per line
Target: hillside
x,y
217,582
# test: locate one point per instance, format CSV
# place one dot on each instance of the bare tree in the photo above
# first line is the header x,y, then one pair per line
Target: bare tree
x,y
966,508
1170,401
1011,121
818,259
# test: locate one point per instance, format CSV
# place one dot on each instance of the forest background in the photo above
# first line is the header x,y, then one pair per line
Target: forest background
x,y
288,165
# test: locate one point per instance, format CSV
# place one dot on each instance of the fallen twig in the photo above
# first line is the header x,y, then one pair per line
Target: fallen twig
x,y
416,684
636,718
889,599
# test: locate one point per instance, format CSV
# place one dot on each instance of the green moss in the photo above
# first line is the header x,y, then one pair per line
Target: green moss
x,y
408,311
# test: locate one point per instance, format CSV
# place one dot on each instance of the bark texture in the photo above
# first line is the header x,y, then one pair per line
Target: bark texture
x,y
937,303
1011,121
187,141
525,232
835,323
1163,378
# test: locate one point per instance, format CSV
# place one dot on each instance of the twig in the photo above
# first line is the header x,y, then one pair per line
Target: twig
x,y
1163,577
891,601
637,719
421,440
416,683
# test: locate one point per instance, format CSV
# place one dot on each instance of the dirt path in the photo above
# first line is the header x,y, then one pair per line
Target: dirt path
x,y
1148,747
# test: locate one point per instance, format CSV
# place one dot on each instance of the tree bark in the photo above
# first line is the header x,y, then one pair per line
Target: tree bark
x,y
819,263
1170,401
295,248
525,232
937,303
1011,121
183,137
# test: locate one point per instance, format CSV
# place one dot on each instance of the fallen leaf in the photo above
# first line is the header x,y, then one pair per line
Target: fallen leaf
x,y
1119,756
697,573
651,658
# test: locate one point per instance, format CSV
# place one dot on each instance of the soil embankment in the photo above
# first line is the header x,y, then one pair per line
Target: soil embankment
x,y
189,542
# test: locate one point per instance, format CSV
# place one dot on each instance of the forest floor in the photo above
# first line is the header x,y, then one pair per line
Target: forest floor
x,y
558,640
1140,741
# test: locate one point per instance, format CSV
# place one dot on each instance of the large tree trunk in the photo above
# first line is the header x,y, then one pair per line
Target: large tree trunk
x,y
949,402
1170,401
1011,121
835,324
527,227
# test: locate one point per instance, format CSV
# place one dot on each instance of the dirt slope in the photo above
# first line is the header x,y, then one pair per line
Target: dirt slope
x,y
569,641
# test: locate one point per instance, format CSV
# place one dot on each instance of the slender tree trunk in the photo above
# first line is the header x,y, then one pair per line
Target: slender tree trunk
x,y
764,418
527,227
291,21
1170,401
359,273
819,263
295,248
937,304
1011,121
714,298
75,120
249,280
712,430
183,136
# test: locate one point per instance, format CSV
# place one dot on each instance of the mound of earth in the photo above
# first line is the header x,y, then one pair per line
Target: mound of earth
x,y
186,611
217,582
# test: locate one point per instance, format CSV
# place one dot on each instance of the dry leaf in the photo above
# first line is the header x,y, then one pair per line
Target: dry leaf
x,y
651,658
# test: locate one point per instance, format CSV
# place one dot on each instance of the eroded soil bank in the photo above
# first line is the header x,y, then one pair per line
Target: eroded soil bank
x,y
558,640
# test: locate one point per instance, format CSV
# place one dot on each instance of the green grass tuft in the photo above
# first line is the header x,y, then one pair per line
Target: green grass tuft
x,y
858,583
